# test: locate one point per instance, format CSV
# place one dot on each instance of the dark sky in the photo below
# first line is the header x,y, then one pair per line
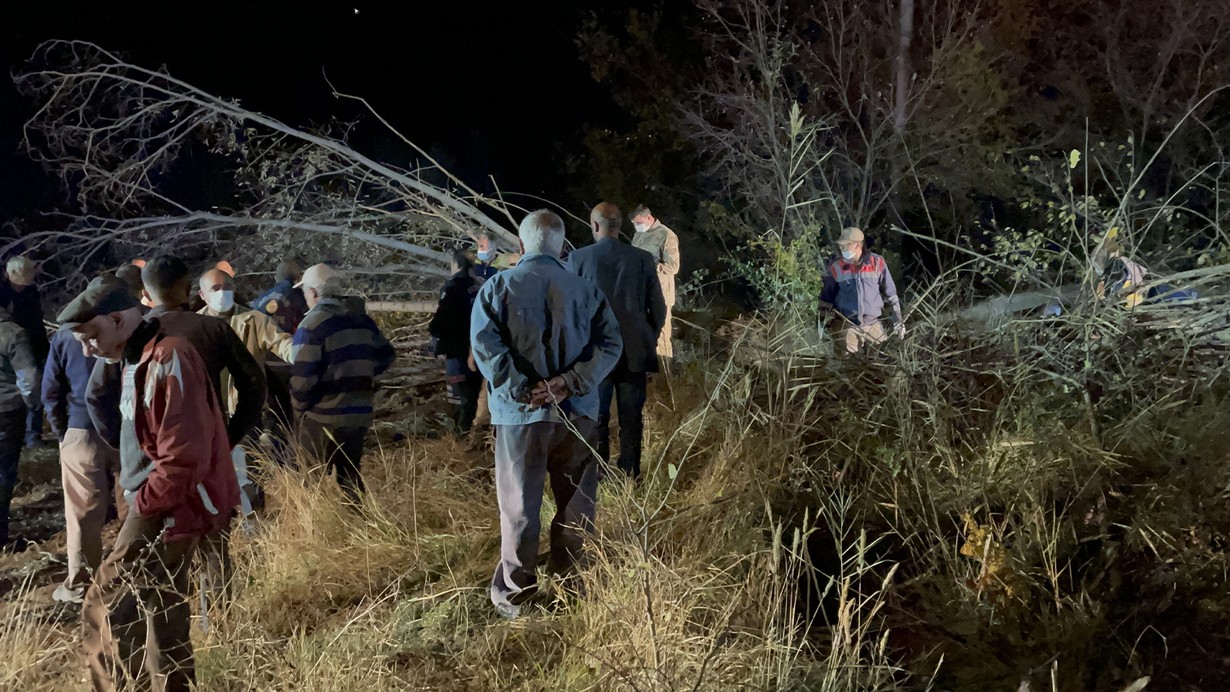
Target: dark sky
x,y
493,88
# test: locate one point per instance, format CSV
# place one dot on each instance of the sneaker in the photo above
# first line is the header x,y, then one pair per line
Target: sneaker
x,y
508,611
68,594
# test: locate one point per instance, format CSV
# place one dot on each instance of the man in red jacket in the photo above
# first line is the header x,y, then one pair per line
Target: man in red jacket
x,y
176,472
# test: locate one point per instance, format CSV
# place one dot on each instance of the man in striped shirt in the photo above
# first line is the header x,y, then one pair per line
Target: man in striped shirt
x,y
338,352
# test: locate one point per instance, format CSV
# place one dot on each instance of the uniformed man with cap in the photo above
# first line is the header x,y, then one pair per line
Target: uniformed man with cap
x,y
857,283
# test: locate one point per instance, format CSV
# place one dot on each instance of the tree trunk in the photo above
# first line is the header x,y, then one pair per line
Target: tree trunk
x,y
901,92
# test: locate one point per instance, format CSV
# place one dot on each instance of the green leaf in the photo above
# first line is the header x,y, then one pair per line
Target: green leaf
x,y
672,471
1074,159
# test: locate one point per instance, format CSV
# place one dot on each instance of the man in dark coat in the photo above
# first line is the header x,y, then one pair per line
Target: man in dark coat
x,y
18,393
628,278
21,296
450,335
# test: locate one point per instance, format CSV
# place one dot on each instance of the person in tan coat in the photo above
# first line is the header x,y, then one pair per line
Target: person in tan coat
x,y
258,331
655,238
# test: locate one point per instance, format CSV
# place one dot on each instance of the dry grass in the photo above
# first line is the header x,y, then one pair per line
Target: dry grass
x,y
949,513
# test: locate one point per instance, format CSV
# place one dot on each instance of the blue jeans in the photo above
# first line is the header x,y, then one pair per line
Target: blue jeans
x,y
34,426
628,391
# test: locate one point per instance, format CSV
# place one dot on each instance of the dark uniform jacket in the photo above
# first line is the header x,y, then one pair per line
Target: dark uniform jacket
x,y
450,326
628,277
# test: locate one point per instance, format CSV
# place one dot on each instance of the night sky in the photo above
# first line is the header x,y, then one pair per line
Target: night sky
x,y
490,89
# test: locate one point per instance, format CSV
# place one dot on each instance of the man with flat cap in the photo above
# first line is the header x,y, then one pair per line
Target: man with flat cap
x,y
175,470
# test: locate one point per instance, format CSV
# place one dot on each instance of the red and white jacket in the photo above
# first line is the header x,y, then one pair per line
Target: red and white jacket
x,y
175,454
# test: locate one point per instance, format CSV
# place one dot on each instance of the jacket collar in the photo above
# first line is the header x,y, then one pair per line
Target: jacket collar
x,y
538,258
134,349
164,309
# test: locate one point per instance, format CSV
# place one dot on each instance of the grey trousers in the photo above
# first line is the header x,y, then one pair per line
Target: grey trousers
x,y
524,456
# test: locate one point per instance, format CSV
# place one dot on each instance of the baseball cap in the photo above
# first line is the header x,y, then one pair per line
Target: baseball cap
x,y
850,235
319,275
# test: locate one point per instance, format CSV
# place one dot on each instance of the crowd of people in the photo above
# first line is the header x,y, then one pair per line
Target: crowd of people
x,y
558,336
159,383
156,404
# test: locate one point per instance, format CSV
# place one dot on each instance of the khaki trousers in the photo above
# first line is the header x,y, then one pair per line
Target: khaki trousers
x,y
666,349
856,337
86,466
135,620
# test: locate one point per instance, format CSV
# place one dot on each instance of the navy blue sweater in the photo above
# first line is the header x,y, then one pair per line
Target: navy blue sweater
x,y
64,384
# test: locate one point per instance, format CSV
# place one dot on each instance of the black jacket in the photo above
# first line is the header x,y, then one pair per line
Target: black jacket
x,y
450,326
26,308
629,279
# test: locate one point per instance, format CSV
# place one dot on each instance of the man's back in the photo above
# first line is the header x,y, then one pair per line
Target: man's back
x,y
338,353
628,278
535,321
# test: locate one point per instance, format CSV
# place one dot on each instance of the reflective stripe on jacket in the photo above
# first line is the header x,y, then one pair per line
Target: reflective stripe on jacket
x,y
858,290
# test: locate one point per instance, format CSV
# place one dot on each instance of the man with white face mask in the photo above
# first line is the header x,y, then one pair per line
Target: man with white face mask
x,y
488,258
654,237
856,285
258,332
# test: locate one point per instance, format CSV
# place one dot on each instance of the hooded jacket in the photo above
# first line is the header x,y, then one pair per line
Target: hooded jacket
x,y
338,352
175,459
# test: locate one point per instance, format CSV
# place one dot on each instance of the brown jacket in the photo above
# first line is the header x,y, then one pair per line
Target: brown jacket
x,y
663,244
260,335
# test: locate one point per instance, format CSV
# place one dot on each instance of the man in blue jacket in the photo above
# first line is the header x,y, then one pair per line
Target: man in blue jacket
x,y
86,462
857,283
544,338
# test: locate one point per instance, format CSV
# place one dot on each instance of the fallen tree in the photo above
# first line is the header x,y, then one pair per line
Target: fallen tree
x,y
116,132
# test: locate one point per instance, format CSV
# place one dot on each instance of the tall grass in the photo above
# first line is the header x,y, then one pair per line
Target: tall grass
x,y
969,508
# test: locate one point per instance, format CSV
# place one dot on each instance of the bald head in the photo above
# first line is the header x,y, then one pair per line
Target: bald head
x,y
215,280
605,220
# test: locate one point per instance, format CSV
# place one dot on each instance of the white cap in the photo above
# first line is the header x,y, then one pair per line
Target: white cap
x,y
319,275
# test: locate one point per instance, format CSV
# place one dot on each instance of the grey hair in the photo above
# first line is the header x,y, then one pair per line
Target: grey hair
x,y
332,287
542,233
20,265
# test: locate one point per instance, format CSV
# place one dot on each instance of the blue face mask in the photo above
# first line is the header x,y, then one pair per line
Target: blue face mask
x,y
486,255
848,254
